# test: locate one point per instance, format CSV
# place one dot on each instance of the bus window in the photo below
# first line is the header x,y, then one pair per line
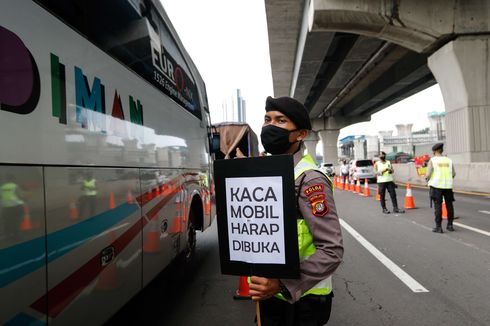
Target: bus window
x,y
134,33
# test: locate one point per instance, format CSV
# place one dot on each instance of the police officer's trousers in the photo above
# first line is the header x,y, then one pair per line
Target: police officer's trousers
x,y
437,195
382,192
310,310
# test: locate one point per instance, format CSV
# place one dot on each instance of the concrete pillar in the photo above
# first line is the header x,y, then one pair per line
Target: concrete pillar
x,y
461,68
329,139
310,142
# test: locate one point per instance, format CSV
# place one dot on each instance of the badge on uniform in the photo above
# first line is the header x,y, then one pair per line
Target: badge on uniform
x,y
314,188
318,205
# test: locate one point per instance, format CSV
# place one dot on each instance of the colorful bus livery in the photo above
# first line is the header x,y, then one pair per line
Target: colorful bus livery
x,y
104,175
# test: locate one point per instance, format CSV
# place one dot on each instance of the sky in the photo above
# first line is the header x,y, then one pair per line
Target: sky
x,y
228,42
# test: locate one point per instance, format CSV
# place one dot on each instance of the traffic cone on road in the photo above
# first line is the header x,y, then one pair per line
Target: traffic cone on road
x,y
444,210
409,198
378,197
358,186
112,201
342,184
367,191
243,289
352,187
26,224
150,194
207,204
73,211
157,191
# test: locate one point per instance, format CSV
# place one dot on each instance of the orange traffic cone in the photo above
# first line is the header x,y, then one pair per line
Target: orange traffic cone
x,y
150,194
157,191
165,190
129,197
409,198
243,289
73,211
112,201
26,224
367,191
352,187
378,197
444,210
358,186
152,243
108,278
207,203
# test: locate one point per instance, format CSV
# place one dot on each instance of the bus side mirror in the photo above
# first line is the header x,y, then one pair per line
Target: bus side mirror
x,y
215,139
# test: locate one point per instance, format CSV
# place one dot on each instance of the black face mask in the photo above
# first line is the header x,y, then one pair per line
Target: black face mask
x,y
382,158
275,139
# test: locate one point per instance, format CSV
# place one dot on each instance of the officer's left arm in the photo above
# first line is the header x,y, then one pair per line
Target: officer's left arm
x,y
317,206
428,173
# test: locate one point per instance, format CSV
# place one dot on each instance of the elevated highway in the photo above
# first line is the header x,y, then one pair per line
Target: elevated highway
x,y
346,60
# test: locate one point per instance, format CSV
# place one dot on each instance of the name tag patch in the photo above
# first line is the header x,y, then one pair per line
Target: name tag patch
x,y
315,188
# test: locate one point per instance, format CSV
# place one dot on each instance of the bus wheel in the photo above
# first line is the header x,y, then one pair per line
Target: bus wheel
x,y
190,247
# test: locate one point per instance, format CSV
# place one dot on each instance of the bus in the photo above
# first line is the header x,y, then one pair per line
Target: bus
x,y
105,158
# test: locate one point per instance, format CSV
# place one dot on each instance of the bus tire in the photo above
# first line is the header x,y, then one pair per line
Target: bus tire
x,y
190,245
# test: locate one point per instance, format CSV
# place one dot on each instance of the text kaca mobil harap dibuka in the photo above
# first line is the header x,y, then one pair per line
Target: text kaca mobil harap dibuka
x,y
252,212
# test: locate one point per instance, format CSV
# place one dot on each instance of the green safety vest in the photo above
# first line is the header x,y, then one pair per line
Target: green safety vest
x,y
386,176
89,187
442,173
8,196
305,239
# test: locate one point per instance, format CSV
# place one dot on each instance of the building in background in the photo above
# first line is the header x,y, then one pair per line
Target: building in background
x,y
234,108
412,143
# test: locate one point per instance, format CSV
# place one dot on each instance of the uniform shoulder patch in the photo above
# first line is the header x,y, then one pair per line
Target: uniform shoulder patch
x,y
318,205
315,188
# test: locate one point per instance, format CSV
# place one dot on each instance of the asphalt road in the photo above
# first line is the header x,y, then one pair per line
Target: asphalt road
x,y
409,275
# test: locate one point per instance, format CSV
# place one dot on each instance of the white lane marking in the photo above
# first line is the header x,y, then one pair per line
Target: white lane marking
x,y
472,229
400,273
485,212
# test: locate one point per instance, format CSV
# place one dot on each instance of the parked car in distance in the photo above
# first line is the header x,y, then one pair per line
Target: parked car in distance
x,y
327,168
362,169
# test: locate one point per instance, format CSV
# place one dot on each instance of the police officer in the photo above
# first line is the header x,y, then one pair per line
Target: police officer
x,y
384,171
307,300
11,207
440,174
88,200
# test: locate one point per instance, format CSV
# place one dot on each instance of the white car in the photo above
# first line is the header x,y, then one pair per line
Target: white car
x,y
327,168
362,169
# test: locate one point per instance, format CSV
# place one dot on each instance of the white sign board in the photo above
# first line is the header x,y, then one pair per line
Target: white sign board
x,y
255,219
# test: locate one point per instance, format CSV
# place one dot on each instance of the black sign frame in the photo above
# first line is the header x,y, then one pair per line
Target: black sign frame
x,y
266,166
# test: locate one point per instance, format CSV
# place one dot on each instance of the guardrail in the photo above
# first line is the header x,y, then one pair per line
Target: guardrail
x,y
469,176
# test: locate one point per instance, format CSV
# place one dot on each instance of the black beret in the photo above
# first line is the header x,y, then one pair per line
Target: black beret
x,y
437,147
292,108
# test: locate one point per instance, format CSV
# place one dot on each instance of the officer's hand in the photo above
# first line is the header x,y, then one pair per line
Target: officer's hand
x,y
262,288
239,154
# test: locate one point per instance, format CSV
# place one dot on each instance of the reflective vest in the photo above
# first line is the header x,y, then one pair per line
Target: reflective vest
x,y
442,173
89,188
305,239
386,176
8,196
